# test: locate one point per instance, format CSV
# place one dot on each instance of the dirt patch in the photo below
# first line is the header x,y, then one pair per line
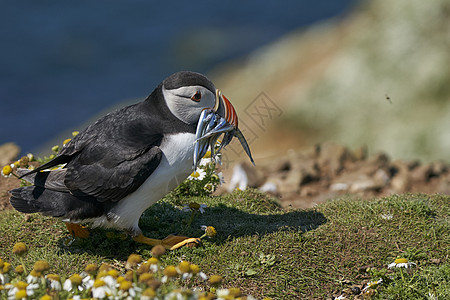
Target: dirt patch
x,y
7,184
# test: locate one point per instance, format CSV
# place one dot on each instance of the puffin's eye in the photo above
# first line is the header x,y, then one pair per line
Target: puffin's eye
x,y
197,96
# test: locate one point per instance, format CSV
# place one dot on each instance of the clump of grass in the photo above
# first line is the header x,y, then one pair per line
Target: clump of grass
x,y
333,250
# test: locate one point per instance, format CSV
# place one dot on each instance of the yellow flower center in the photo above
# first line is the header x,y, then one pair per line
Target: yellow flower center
x,y
113,273
215,279
194,269
53,277
401,261
41,266
21,285
210,231
91,268
21,294
125,285
207,154
134,260
194,205
194,174
152,261
145,277
98,283
75,279
184,267
170,271
7,170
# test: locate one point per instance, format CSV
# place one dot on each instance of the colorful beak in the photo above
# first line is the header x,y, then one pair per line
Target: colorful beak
x,y
225,109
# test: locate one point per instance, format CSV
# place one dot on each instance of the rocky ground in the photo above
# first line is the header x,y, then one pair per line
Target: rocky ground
x,y
305,178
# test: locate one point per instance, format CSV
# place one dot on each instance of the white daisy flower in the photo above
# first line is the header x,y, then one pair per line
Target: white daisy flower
x,y
209,187
401,263
198,174
194,206
372,284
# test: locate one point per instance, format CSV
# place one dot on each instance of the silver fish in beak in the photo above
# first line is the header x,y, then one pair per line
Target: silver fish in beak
x,y
213,122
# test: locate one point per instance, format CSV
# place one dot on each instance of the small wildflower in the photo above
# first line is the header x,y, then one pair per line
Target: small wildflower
x,y
30,156
91,269
401,263
198,174
372,284
23,162
21,294
129,275
143,268
20,249
210,231
113,273
75,133
41,266
125,285
184,267
194,206
104,268
6,171
21,285
158,251
148,293
46,297
100,290
54,281
6,267
74,282
153,261
34,276
194,269
215,279
66,141
209,187
19,269
145,277
235,292
170,271
133,261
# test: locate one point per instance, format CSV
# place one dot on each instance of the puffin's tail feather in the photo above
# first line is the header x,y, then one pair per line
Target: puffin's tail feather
x,y
32,199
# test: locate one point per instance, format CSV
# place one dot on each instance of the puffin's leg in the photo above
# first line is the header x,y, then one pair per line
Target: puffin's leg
x,y
77,230
171,242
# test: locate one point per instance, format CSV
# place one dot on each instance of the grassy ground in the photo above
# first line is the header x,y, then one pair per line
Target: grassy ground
x,y
268,251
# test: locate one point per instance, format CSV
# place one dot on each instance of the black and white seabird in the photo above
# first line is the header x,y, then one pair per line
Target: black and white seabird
x,y
126,161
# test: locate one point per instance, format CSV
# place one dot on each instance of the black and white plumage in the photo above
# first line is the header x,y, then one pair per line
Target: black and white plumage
x,y
120,165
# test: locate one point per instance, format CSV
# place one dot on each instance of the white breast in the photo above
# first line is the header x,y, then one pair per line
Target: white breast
x,y
175,166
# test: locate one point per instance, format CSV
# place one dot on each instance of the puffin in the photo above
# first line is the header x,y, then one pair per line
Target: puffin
x,y
127,160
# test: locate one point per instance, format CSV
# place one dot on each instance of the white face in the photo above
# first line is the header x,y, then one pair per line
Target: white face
x,y
187,102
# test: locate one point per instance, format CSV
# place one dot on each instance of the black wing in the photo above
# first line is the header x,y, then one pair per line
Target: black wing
x,y
111,158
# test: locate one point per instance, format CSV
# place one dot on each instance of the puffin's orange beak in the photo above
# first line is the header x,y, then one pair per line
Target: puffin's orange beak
x,y
224,108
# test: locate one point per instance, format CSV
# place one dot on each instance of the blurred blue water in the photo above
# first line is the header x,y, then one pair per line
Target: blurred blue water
x,y
61,62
